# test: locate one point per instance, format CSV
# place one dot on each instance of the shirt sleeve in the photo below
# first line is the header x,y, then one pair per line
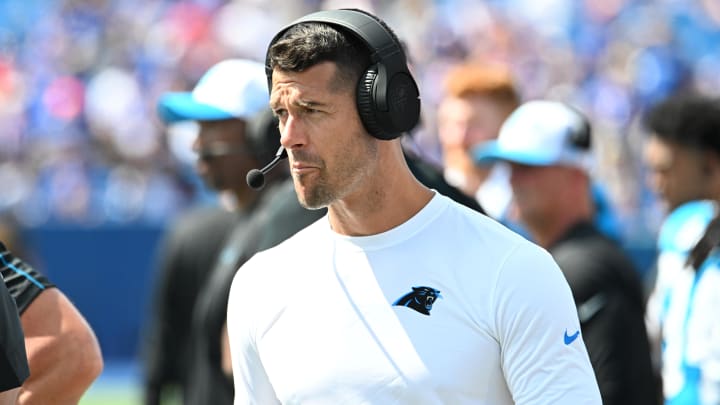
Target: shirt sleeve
x,y
543,354
22,280
252,385
13,361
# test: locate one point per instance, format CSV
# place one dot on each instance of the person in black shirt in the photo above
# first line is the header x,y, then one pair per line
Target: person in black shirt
x,y
184,257
432,177
547,145
186,344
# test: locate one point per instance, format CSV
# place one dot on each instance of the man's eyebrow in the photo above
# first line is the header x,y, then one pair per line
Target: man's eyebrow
x,y
309,104
275,103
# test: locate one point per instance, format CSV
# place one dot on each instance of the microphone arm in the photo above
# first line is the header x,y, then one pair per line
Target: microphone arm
x,y
256,178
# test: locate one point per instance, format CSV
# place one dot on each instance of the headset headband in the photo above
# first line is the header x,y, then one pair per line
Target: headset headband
x,y
387,97
382,44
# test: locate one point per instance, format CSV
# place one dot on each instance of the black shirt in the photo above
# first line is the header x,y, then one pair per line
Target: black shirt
x,y
610,301
13,361
433,178
185,258
23,281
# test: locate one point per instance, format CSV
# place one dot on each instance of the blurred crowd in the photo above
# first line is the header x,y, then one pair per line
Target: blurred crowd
x,y
79,81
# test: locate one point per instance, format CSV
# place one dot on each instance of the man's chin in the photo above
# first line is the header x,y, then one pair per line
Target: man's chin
x,y
312,207
310,204
308,198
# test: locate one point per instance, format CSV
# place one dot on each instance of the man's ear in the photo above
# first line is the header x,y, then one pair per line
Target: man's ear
x,y
711,170
711,164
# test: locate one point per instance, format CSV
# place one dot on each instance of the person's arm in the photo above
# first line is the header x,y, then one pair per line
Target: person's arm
x,y
225,360
252,385
62,350
544,359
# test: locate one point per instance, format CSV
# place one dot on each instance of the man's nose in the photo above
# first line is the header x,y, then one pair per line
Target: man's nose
x,y
292,133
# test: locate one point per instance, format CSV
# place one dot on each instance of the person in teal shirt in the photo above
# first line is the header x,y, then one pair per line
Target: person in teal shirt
x,y
683,157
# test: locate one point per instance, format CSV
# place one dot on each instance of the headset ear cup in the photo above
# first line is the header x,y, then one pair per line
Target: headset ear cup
x,y
366,103
404,104
263,134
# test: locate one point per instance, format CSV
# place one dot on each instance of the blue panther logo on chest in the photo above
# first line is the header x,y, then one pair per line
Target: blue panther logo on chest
x,y
420,299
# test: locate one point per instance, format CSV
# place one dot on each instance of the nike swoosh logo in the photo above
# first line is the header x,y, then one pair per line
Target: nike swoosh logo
x,y
571,338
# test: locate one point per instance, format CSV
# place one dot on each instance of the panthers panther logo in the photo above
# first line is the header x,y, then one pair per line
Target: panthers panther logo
x,y
420,299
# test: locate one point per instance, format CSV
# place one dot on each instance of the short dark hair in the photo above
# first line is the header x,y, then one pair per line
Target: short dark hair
x,y
307,44
687,119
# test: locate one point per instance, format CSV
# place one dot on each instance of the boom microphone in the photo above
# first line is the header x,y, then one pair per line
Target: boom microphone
x,y
256,178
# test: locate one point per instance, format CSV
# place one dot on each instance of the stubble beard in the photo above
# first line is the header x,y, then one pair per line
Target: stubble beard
x,y
353,166
316,196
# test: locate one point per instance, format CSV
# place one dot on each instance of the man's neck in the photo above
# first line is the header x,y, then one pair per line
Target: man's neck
x,y
384,203
347,218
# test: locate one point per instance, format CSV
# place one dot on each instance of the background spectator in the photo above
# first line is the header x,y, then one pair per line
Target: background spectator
x,y
72,156
548,146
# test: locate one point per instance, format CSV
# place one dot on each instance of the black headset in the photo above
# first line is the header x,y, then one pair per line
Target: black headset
x,y
581,138
388,100
262,134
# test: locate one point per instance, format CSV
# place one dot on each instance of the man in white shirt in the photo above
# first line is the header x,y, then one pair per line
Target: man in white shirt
x,y
398,295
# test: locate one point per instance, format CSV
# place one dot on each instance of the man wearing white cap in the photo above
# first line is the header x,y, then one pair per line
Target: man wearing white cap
x,y
547,145
237,133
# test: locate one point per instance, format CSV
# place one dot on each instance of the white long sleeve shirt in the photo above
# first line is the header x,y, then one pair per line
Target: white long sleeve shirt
x,y
449,307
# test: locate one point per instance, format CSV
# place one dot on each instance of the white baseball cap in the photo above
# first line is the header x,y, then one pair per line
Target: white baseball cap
x,y
233,88
541,133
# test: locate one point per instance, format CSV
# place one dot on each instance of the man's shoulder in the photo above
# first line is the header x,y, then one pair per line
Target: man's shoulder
x,y
594,264
685,225
203,220
586,245
197,236
266,267
484,242
304,241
